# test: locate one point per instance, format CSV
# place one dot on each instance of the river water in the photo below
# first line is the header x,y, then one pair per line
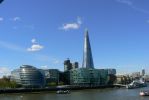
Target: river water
x,y
90,94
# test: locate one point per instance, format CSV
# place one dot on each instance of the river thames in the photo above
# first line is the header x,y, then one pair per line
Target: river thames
x,y
90,94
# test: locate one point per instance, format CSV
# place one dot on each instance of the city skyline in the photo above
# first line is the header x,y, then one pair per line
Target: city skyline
x,y
44,34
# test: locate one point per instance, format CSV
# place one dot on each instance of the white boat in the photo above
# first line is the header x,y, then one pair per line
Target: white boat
x,y
63,92
144,93
136,84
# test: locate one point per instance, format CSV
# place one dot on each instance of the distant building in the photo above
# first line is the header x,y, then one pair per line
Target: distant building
x,y
143,72
90,77
80,77
94,76
87,75
67,65
51,75
87,53
103,76
75,65
15,76
123,79
28,76
136,75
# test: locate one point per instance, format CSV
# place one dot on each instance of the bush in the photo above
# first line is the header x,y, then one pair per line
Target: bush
x,y
52,84
6,83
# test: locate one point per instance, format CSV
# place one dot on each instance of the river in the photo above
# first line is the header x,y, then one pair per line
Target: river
x,y
90,94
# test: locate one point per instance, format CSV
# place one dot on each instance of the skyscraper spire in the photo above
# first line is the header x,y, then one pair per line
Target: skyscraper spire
x,y
87,53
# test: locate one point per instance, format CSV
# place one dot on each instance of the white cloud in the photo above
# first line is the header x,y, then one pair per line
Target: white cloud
x,y
35,47
1,19
15,19
70,26
33,40
4,71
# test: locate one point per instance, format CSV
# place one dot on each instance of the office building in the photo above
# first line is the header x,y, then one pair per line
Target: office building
x,y
31,76
51,76
75,65
15,76
143,72
67,65
87,53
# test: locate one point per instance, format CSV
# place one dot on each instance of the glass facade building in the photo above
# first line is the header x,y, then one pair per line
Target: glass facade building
x,y
80,77
31,76
87,53
15,76
51,75
91,77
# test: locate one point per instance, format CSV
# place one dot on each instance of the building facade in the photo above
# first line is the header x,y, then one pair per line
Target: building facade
x,y
15,76
80,77
51,76
67,65
87,53
31,76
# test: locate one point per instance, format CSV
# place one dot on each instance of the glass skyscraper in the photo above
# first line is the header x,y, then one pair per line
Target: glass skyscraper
x,y
87,53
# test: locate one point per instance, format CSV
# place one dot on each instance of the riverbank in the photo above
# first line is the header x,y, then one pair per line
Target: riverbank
x,y
28,90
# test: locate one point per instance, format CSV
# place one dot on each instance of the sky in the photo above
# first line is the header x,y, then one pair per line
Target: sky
x,y
44,33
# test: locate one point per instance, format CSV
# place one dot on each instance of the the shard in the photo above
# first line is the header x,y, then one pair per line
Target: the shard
x,y
87,53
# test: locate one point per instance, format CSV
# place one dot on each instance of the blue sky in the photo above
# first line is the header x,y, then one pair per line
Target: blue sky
x,y
44,33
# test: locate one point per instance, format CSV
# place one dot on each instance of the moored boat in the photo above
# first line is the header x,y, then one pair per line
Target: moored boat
x,y
144,93
136,84
63,92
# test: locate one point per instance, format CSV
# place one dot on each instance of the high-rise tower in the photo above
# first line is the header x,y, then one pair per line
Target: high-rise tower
x,y
87,53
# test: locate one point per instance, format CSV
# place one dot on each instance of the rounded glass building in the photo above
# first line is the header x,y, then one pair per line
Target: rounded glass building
x,y
31,76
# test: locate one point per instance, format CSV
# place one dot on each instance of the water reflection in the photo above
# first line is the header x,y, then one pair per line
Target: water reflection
x,y
95,94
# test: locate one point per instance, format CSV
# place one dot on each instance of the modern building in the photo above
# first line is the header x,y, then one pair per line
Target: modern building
x,y
80,77
91,77
15,76
87,75
123,79
31,76
87,53
111,76
67,65
75,65
136,75
94,75
143,72
51,76
107,76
